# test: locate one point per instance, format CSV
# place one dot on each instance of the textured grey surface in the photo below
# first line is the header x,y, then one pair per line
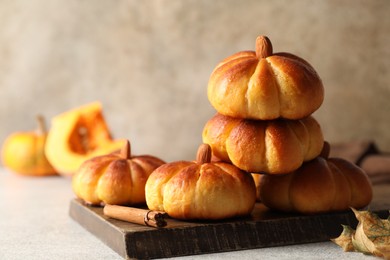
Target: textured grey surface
x,y
149,62
34,224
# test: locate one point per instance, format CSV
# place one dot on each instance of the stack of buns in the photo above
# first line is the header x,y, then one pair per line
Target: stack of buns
x,y
264,125
264,102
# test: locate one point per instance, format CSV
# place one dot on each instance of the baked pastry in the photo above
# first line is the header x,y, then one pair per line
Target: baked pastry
x,y
274,146
321,185
201,189
117,178
265,85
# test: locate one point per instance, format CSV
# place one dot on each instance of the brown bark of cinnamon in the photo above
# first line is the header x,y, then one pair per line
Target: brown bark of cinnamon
x,y
135,215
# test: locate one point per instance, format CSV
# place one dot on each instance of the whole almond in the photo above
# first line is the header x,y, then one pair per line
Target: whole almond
x,y
263,47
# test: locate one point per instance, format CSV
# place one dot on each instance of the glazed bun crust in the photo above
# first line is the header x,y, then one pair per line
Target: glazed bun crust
x,y
274,147
265,88
188,190
112,179
318,186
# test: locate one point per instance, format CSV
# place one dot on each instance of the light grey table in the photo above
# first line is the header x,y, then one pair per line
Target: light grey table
x,y
34,224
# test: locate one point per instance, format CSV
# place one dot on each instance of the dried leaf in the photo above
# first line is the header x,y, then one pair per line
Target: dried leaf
x,y
361,242
372,235
345,239
376,229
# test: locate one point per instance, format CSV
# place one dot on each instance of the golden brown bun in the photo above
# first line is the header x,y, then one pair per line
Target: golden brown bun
x,y
265,86
321,185
200,190
114,179
275,146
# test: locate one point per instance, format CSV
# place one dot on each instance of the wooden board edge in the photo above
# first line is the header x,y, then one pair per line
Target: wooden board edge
x,y
226,237
210,238
98,226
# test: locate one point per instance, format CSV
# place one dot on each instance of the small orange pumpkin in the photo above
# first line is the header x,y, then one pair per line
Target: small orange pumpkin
x,y
201,189
77,135
23,152
116,178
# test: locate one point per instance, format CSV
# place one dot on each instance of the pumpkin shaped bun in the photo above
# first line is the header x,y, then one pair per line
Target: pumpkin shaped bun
x,y
201,189
116,178
265,85
321,185
271,146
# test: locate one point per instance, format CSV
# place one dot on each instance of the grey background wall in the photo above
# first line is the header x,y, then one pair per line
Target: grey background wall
x,y
148,62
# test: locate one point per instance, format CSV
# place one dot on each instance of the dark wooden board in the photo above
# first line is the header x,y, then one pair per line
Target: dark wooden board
x,y
264,228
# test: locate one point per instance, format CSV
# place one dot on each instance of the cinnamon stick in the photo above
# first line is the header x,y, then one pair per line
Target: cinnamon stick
x,y
135,215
